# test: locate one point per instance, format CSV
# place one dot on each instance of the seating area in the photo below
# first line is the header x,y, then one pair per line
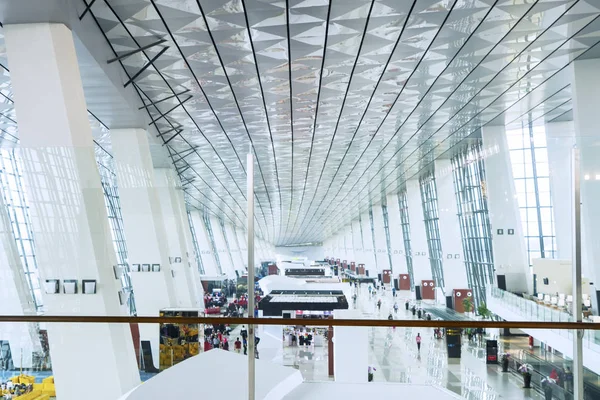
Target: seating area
x,y
30,390
562,302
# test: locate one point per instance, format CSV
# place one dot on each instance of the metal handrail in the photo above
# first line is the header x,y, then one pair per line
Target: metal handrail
x,y
312,322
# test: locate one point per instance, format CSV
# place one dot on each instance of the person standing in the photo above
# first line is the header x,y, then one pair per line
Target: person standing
x,y
418,338
370,371
568,379
379,304
245,344
237,345
393,292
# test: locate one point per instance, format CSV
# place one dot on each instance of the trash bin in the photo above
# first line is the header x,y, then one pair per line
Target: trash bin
x,y
491,347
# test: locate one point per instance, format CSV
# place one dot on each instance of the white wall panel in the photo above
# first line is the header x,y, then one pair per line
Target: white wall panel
x,y
510,252
418,237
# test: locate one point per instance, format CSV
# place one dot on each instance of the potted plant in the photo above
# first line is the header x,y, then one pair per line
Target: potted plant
x,y
467,305
526,370
483,311
504,359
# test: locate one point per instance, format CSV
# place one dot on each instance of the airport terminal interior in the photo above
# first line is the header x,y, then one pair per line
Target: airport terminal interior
x,y
299,199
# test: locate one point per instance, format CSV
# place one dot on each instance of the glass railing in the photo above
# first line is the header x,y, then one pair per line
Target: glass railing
x,y
299,358
532,311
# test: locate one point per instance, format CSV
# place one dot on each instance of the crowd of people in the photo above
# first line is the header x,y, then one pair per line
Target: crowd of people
x,y
10,390
217,337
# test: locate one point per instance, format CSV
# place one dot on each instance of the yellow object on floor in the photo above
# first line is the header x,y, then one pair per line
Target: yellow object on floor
x,y
48,387
20,379
28,396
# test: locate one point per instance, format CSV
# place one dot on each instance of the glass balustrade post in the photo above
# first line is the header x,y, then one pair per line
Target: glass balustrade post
x,y
577,290
251,328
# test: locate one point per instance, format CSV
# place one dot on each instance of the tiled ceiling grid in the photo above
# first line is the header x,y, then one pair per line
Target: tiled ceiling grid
x,y
340,98
578,31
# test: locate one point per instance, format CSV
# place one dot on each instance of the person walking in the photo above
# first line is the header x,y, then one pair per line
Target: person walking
x,y
393,292
395,307
379,304
245,344
256,341
418,339
237,345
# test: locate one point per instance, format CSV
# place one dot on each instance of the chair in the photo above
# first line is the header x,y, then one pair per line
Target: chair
x,y
587,303
570,298
541,296
547,298
554,300
561,302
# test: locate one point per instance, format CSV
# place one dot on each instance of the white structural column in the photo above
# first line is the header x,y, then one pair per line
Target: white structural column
x,y
229,246
510,253
221,247
144,229
243,247
418,236
357,243
455,270
334,247
349,244
341,245
586,97
350,349
381,249
396,237
68,213
327,245
15,297
206,249
367,241
259,253
560,139
180,250
234,249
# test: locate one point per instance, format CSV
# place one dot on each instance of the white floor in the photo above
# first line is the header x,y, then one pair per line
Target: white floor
x,y
394,354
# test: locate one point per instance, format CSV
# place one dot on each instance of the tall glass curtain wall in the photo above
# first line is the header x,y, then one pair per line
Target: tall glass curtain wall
x,y
529,158
196,247
211,237
372,224
18,212
14,197
469,186
405,224
431,219
108,178
386,228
